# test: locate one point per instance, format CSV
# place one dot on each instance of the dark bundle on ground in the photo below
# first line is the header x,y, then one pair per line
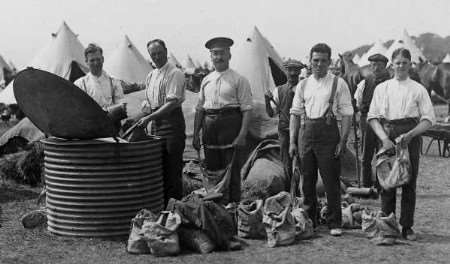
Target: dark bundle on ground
x,y
8,168
14,144
30,166
24,167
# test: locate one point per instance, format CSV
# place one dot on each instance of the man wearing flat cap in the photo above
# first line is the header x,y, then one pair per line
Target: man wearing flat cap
x,y
223,114
363,96
281,100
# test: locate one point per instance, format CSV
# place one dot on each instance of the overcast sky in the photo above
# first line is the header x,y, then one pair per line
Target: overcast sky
x,y
292,26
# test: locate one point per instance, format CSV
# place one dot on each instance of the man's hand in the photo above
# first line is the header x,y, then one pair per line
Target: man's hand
x,y
340,149
239,141
387,144
292,150
196,142
403,140
143,122
268,95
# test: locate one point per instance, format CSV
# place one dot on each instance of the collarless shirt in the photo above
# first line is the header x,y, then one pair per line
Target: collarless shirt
x,y
162,85
312,97
225,89
104,89
394,99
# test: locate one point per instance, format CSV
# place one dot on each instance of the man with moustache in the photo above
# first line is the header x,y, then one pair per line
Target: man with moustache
x,y
223,114
315,135
363,97
281,100
164,90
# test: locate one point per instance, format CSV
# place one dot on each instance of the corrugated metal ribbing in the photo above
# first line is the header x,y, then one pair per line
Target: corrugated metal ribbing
x,y
94,188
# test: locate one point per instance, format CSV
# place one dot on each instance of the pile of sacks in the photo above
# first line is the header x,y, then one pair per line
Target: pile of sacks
x,y
192,223
280,219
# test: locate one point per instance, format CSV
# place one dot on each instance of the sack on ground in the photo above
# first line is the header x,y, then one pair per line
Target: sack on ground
x,y
278,220
136,241
195,239
161,235
250,216
218,182
380,229
393,170
351,215
304,228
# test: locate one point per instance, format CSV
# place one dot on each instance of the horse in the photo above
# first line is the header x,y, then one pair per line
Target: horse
x,y
436,78
351,72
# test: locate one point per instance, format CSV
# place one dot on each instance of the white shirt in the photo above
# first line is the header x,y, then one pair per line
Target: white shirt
x,y
105,90
394,99
317,94
162,85
223,89
359,92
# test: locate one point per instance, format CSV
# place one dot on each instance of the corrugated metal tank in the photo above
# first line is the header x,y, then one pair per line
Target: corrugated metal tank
x,y
95,188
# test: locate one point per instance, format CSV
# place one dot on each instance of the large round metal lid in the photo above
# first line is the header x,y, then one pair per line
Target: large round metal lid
x,y
58,107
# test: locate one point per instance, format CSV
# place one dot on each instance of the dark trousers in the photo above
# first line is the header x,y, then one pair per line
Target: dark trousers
x,y
283,136
317,145
369,147
388,197
221,129
172,130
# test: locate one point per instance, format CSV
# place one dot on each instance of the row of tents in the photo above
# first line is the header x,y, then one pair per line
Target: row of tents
x,y
404,41
254,57
64,56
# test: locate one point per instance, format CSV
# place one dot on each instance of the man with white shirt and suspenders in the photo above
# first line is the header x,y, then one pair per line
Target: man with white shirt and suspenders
x,y
104,89
315,135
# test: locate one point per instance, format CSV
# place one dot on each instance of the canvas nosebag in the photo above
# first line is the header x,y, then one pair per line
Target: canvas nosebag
x,y
393,169
250,215
278,220
155,234
379,228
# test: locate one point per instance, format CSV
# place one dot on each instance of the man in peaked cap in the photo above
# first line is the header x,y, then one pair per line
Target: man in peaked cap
x,y
363,96
223,113
281,100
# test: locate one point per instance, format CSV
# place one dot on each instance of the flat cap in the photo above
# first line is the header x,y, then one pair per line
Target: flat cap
x,y
291,63
219,42
378,57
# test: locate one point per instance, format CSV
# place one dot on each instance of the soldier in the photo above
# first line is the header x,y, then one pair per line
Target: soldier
x,y
223,113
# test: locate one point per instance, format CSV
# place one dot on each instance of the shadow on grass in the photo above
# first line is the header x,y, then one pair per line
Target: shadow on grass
x,y
8,194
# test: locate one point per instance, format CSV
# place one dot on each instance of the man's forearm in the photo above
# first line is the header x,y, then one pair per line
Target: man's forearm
x,y
294,125
423,126
245,122
164,110
345,126
198,121
378,129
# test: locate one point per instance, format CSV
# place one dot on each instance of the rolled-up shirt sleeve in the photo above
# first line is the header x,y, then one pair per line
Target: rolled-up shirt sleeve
x,y
344,102
375,109
298,104
118,90
201,96
426,109
175,87
244,94
359,92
